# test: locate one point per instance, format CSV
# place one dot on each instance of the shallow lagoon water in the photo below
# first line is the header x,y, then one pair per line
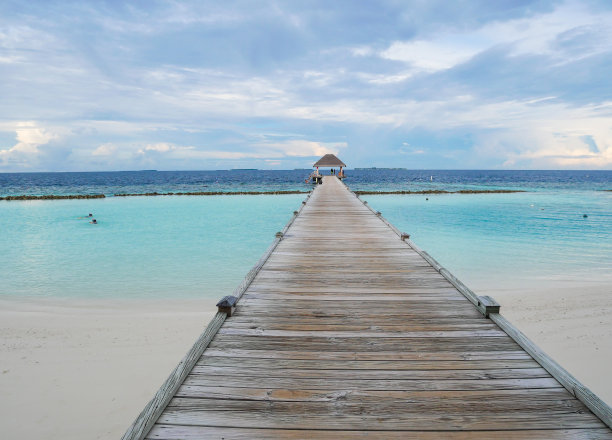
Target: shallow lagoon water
x,y
202,246
171,247
518,240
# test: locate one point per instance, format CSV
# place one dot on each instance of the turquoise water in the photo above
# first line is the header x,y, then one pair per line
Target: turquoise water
x,y
153,247
523,239
201,247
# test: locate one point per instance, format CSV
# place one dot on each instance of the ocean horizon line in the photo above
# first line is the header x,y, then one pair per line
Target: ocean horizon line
x,y
309,169
84,185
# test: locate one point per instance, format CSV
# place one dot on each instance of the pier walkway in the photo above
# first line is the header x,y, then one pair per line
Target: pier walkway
x,y
344,330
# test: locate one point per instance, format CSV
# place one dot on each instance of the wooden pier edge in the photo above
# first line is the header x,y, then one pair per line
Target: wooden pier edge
x,y
145,421
140,428
573,385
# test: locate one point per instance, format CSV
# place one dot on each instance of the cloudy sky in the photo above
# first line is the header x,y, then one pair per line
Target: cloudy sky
x,y
173,85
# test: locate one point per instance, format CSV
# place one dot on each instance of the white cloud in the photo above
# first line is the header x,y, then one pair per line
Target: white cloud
x,y
429,55
362,51
303,148
192,153
552,143
529,35
172,151
105,150
270,152
161,147
537,34
385,78
26,152
10,59
320,78
263,150
29,137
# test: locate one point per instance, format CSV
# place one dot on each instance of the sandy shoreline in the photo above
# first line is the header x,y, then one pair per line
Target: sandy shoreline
x,y
75,369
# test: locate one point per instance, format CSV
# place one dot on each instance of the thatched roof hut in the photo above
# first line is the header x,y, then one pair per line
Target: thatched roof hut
x,y
329,160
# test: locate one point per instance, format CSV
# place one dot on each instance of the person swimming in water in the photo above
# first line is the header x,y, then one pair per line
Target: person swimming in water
x,y
94,222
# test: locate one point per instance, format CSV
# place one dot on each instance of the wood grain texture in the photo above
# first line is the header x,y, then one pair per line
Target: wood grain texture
x,y
344,330
381,384
380,415
186,432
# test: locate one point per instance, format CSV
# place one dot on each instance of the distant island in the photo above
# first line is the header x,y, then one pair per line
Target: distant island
x,y
376,168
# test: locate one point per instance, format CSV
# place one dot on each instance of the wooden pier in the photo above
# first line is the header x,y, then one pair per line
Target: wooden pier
x,y
345,329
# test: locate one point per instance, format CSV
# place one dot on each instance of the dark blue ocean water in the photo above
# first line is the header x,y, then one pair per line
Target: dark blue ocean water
x,y
109,183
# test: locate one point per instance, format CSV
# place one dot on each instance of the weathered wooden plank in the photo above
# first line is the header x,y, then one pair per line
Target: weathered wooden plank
x,y
418,322
356,313
380,365
347,279
406,407
355,324
258,320
371,307
339,289
342,415
377,384
457,397
494,332
369,355
176,432
361,344
378,297
348,327
433,374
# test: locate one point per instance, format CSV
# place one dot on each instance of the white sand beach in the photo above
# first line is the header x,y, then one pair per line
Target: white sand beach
x,y
76,369
572,322
85,369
